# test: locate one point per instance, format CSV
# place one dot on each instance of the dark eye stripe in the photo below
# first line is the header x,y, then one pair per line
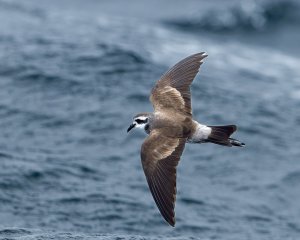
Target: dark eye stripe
x,y
141,121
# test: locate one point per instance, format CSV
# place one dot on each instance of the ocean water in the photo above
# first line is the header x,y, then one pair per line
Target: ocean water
x,y
74,73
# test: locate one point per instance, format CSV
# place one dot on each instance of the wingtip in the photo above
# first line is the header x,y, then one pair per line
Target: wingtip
x,y
201,56
172,222
204,54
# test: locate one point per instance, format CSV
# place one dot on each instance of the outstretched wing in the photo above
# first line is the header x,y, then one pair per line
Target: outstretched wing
x,y
172,91
160,156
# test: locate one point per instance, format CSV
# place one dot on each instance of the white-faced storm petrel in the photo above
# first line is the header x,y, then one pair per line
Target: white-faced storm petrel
x,y
169,127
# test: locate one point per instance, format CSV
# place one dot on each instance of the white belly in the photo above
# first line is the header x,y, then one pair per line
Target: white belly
x,y
200,135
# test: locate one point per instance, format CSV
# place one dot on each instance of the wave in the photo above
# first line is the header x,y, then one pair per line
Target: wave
x,y
14,231
33,234
247,16
17,7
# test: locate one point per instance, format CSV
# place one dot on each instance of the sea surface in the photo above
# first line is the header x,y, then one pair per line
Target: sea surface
x,y
73,73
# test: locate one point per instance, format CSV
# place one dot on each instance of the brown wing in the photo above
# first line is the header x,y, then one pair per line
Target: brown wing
x,y
160,156
172,91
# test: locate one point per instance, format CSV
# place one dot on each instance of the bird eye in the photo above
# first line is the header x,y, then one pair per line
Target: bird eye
x,y
139,121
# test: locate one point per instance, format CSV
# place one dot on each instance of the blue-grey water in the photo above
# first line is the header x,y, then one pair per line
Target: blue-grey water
x,y
72,75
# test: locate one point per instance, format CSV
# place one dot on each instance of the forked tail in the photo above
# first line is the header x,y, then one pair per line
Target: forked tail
x,y
221,135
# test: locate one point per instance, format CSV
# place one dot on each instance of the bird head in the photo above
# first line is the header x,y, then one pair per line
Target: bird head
x,y
139,121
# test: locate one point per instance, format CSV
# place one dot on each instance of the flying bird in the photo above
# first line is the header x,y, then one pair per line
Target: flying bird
x,y
170,127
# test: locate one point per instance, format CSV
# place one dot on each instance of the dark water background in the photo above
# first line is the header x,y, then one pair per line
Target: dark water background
x,y
72,75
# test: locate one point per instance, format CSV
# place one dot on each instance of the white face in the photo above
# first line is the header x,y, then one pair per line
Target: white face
x,y
138,122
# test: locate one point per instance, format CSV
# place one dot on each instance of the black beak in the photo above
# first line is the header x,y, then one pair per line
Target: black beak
x,y
131,127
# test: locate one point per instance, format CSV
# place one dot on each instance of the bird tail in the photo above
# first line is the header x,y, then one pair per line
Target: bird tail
x,y
221,135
